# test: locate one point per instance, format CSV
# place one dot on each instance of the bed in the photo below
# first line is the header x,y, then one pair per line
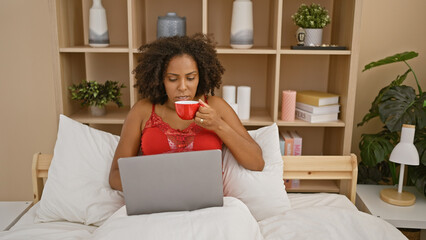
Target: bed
x,y
256,204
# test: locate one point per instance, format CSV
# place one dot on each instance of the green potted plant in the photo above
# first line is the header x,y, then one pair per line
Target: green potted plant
x,y
97,95
395,104
312,18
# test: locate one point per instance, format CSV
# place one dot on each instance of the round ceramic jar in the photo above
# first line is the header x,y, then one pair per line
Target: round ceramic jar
x,y
171,25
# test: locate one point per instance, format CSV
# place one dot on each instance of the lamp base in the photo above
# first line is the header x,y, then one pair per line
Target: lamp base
x,y
392,196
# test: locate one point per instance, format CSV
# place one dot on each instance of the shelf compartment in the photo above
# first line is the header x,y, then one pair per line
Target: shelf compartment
x,y
300,72
264,23
312,138
88,49
338,32
92,67
319,140
249,70
116,12
114,115
146,13
108,66
73,22
289,28
307,186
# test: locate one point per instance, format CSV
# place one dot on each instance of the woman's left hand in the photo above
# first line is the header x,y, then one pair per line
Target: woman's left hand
x,y
207,117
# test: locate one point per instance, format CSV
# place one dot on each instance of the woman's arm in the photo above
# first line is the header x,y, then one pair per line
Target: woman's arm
x,y
129,143
219,117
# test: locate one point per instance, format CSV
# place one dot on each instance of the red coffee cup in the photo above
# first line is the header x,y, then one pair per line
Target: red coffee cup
x,y
186,109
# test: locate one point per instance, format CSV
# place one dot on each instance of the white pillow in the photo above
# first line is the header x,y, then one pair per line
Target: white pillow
x,y
263,192
77,188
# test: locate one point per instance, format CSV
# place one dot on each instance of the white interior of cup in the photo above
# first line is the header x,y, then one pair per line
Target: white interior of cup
x,y
186,102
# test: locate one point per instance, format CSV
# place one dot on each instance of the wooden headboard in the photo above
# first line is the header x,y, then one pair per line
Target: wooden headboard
x,y
335,174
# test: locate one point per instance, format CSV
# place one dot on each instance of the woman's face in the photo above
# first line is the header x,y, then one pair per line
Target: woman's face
x,y
181,79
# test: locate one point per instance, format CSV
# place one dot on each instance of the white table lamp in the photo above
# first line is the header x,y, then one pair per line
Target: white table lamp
x,y
404,153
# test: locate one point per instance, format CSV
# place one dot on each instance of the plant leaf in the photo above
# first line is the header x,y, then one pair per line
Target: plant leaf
x,y
97,94
399,106
391,59
417,175
376,148
420,143
374,109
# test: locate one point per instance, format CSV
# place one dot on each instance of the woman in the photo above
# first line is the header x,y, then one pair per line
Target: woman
x,y
174,69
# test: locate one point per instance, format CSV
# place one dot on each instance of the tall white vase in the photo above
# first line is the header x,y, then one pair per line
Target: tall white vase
x,y
98,27
242,24
313,36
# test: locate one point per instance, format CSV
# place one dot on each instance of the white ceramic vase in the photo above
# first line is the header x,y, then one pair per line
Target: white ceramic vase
x,y
313,36
98,27
242,24
97,111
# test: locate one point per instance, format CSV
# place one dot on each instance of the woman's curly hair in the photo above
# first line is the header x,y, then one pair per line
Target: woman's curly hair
x,y
153,62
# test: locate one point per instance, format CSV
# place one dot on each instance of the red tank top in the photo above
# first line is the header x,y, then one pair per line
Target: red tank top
x,y
158,137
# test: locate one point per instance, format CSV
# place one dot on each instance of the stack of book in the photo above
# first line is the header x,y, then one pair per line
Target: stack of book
x,y
315,106
291,144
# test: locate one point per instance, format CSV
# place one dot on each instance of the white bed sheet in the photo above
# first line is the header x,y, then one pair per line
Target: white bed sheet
x,y
25,228
313,216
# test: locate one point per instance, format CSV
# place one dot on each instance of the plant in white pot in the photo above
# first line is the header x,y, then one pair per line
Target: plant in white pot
x,y
312,18
97,95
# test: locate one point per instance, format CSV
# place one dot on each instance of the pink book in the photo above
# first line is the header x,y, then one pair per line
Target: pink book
x,y
297,143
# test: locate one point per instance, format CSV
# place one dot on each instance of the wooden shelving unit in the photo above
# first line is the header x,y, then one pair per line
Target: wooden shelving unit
x,y
270,67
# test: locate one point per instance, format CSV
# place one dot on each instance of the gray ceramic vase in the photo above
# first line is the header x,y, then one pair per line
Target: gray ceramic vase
x,y
171,25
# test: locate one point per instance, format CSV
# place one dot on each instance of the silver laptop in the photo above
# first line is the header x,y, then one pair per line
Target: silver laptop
x,y
172,182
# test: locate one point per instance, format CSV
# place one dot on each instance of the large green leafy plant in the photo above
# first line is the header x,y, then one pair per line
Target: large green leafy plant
x,y
396,104
92,93
311,16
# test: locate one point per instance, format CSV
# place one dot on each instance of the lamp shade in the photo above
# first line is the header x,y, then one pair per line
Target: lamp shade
x,y
405,152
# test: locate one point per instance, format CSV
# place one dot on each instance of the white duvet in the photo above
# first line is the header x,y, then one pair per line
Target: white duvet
x,y
326,216
327,223
313,216
232,221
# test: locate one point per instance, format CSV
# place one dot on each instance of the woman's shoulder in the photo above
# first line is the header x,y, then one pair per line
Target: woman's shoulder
x,y
141,108
142,104
215,100
218,103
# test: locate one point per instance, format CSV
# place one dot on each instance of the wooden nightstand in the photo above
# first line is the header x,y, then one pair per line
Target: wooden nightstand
x,y
368,200
11,212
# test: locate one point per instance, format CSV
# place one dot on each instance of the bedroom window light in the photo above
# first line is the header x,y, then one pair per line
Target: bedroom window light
x,y
404,153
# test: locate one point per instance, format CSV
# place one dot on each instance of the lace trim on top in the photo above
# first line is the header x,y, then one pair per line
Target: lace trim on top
x,y
179,140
